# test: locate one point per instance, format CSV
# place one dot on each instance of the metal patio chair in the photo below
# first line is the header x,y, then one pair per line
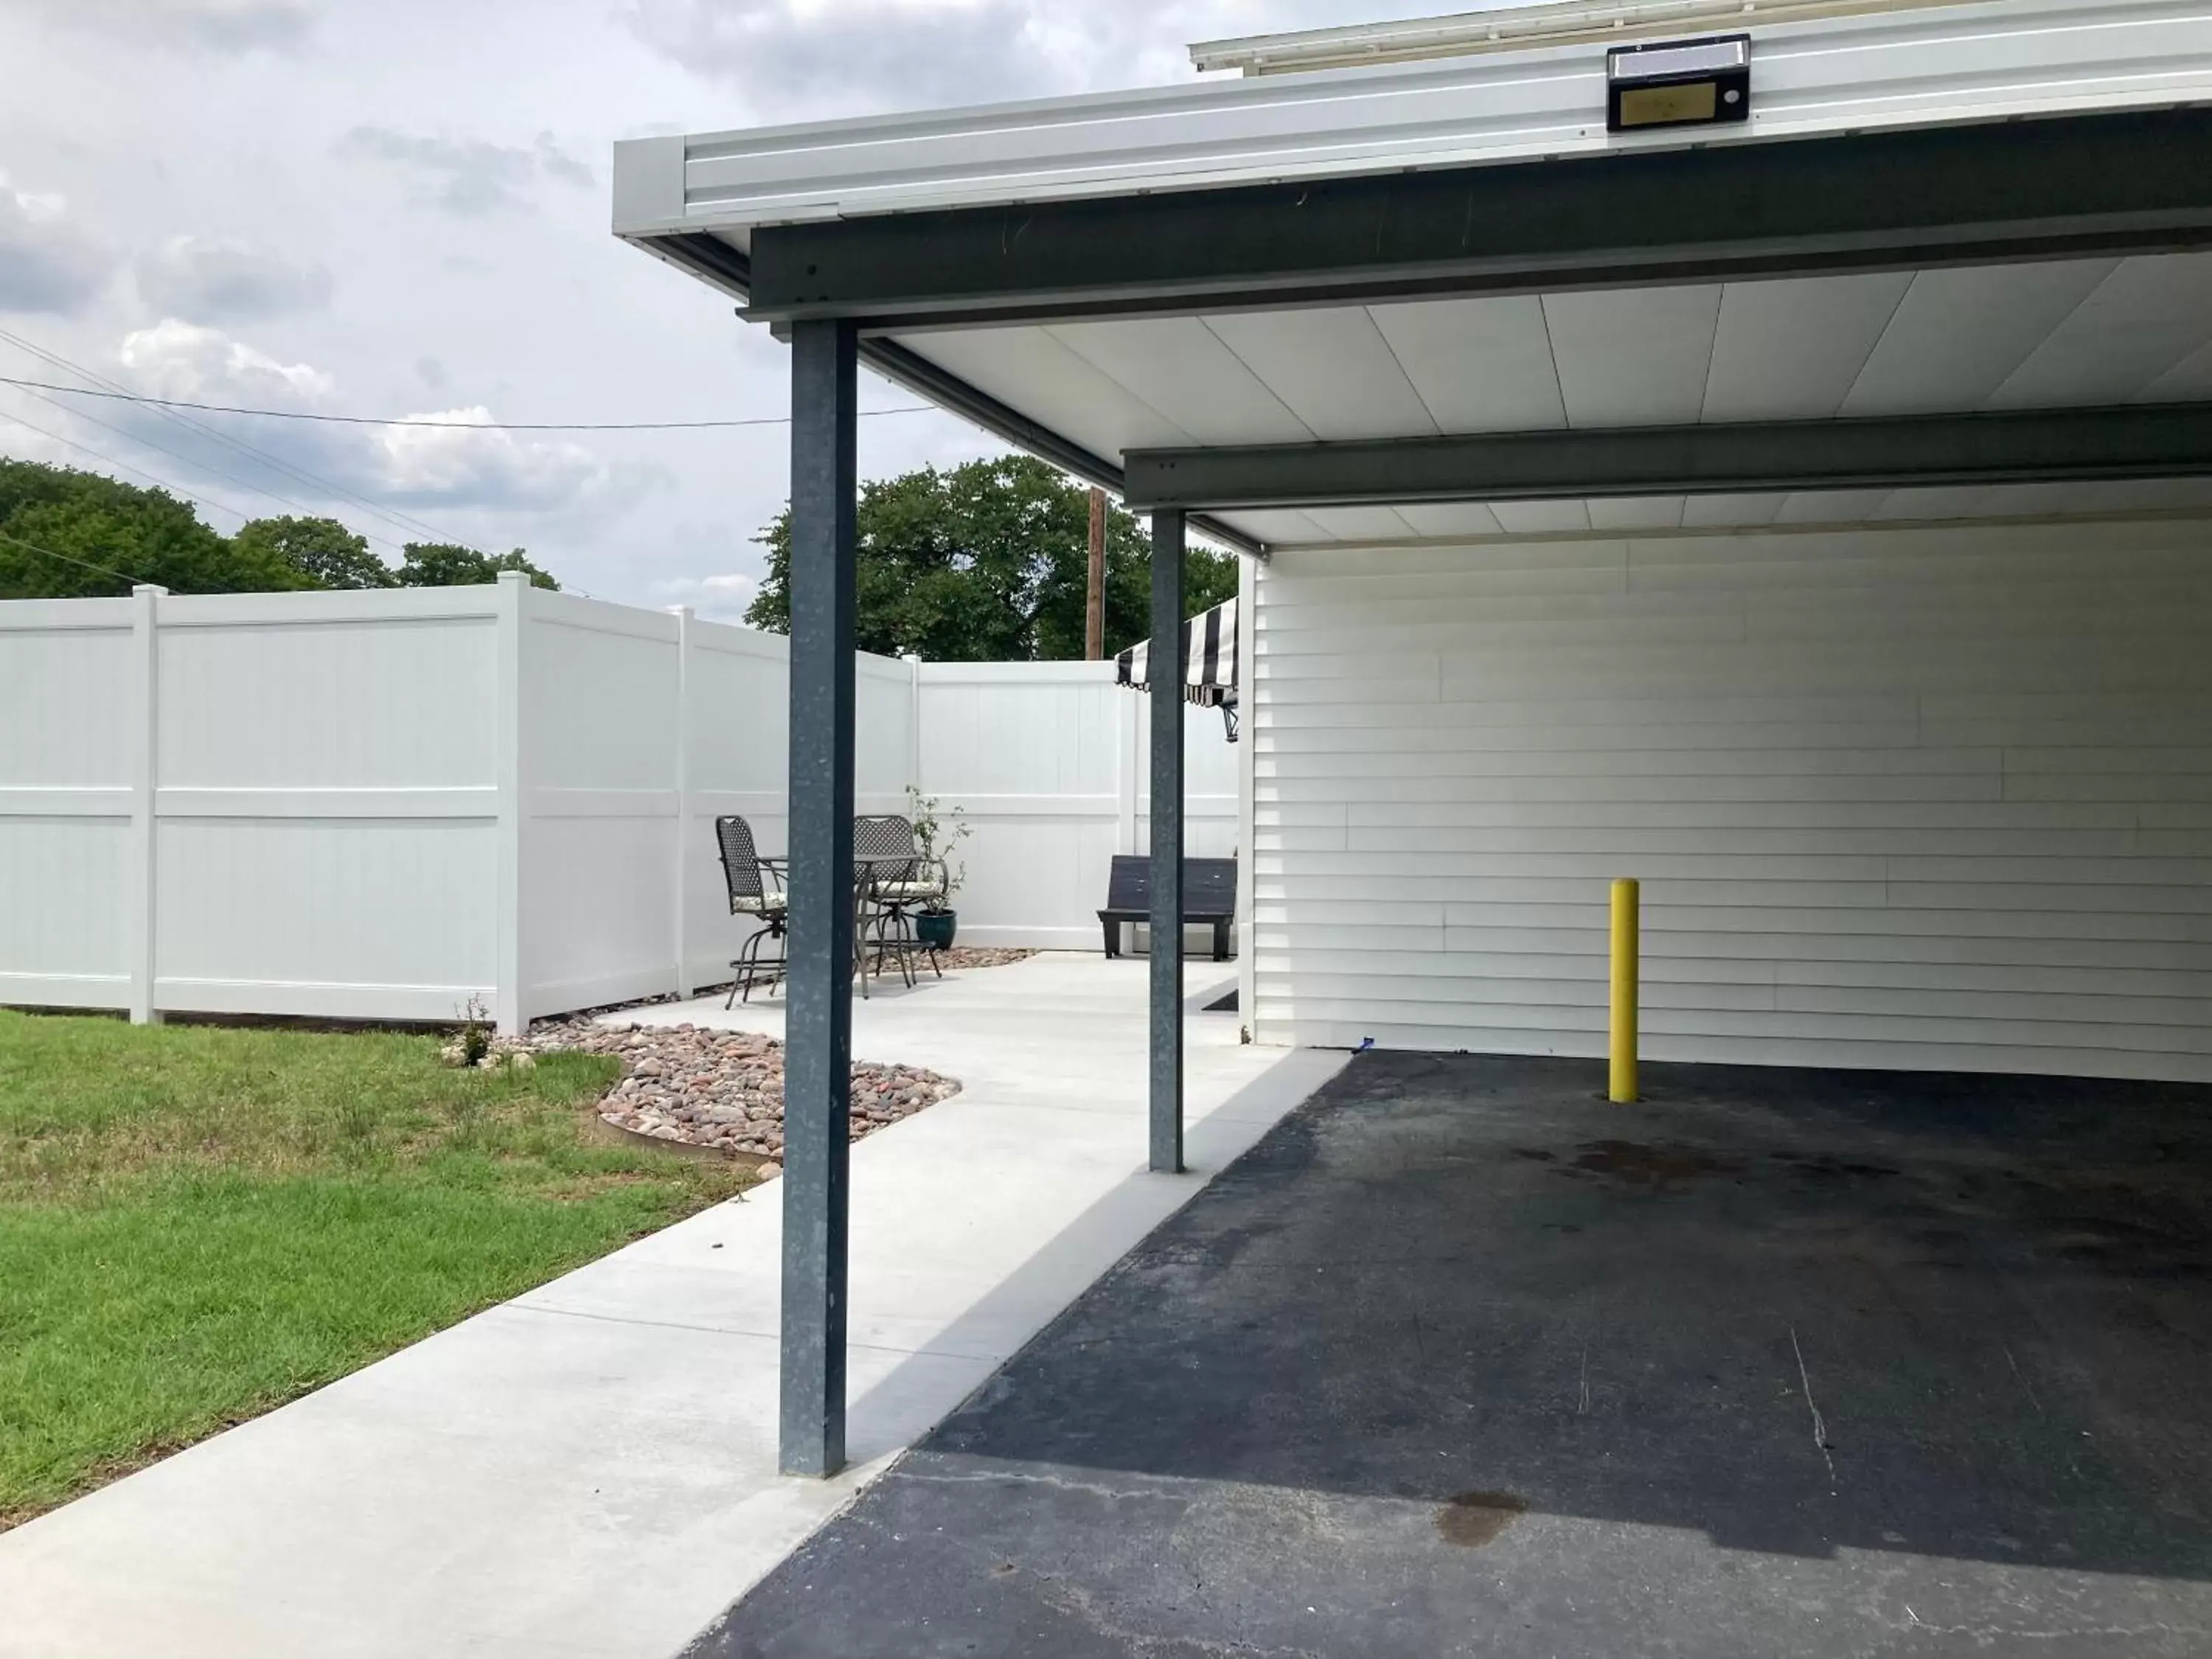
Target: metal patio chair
x,y
899,881
757,889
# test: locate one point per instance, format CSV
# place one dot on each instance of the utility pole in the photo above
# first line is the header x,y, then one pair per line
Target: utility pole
x,y
1094,610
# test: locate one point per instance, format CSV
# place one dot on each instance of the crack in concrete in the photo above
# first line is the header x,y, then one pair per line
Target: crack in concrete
x,y
1820,1423
1021,1478
1986,1635
2026,1387
1070,1600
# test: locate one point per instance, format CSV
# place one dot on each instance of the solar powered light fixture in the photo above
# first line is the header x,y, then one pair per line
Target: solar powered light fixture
x,y
1677,84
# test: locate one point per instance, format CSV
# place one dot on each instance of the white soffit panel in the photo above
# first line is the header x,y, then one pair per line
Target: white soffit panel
x,y
1361,524
1281,528
2074,497
1633,357
1541,518
1472,521
1940,501
1955,341
1331,368
1731,512
2137,325
1450,518
2136,496
1177,364
1791,351
1636,513
1832,507
1479,365
2190,379
1959,335
1030,370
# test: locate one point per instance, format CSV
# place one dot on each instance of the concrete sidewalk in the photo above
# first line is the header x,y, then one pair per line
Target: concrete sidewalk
x,y
590,1468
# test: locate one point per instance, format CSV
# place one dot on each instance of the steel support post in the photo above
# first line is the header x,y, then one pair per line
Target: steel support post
x,y
818,988
1166,667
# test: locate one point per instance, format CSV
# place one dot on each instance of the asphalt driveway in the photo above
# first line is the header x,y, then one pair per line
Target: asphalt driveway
x,y
1462,1360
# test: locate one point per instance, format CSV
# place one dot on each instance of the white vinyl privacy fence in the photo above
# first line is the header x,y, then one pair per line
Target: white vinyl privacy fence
x,y
382,806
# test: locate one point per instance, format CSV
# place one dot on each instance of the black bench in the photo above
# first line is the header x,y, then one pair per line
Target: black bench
x,y
1209,895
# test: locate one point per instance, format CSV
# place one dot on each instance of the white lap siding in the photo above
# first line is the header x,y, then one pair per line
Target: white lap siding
x,y
1911,798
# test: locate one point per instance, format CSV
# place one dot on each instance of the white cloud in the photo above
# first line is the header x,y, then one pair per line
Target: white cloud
x,y
178,358
227,279
861,56
850,56
721,598
220,25
470,176
47,263
459,458
464,459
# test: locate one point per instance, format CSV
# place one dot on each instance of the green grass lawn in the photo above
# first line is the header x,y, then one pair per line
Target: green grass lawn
x,y
199,1223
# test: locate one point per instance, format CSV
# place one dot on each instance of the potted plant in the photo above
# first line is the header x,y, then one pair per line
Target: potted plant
x,y
937,832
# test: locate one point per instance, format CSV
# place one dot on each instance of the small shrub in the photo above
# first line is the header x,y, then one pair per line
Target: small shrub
x,y
471,1043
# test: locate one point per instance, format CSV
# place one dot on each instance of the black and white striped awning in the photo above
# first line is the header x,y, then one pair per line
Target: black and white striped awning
x,y
1209,660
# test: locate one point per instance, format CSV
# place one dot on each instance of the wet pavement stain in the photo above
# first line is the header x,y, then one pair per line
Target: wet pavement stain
x,y
1835,1168
1657,1165
1475,1518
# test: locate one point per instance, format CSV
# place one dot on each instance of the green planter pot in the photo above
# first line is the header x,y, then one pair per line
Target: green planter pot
x,y
935,928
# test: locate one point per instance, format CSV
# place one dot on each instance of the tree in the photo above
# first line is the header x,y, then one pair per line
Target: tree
x,y
67,534
444,564
988,562
322,549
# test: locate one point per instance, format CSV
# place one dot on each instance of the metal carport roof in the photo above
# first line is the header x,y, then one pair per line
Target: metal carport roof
x,y
1957,262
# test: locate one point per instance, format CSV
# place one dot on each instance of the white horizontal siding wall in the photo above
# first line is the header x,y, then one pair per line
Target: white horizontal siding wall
x,y
1912,798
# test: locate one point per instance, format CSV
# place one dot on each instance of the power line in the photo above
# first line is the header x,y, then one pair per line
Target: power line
x,y
405,522
107,459
175,454
66,558
466,426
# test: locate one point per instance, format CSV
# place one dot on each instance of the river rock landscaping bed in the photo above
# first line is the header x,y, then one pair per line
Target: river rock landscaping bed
x,y
724,1089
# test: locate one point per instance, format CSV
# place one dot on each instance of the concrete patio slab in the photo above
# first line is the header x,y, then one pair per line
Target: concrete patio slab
x,y
589,1470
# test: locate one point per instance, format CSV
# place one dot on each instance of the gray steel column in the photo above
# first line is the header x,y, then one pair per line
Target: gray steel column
x,y
1165,666
818,988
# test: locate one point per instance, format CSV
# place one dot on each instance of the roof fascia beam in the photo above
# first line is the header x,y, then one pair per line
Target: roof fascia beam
x,y
2060,186
2154,440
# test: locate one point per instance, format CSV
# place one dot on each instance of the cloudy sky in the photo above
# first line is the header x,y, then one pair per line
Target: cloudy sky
x,y
399,208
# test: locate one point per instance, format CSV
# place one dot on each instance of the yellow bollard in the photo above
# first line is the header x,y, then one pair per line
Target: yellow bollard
x,y
1626,949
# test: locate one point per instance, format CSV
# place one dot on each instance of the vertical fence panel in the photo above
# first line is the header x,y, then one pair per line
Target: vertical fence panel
x,y
737,736
1046,761
328,824
601,726
380,805
67,886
